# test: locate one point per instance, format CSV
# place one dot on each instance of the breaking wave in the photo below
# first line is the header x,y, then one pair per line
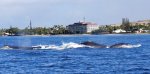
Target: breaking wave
x,y
131,46
63,46
72,45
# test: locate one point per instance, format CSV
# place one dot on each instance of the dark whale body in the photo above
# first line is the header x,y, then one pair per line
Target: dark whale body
x,y
87,43
19,47
93,44
120,45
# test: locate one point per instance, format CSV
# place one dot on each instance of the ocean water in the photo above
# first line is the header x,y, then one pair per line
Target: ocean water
x,y
65,55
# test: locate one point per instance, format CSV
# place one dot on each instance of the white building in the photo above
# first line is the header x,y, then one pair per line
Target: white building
x,y
82,27
119,31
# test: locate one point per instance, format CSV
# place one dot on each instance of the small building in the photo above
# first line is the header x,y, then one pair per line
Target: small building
x,y
6,34
119,31
141,31
82,27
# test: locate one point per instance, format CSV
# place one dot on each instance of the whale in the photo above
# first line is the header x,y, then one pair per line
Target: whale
x,y
90,44
121,45
18,47
93,44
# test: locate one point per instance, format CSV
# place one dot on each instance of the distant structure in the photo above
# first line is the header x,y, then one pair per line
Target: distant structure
x,y
82,27
119,31
30,26
83,19
141,22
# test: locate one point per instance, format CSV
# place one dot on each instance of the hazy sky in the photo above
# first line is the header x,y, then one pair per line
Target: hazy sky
x,y
17,13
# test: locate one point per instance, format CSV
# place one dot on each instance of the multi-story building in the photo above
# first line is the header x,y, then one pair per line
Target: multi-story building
x,y
141,22
82,27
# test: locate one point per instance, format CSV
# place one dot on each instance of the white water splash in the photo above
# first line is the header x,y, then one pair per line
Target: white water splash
x,y
130,46
61,47
72,45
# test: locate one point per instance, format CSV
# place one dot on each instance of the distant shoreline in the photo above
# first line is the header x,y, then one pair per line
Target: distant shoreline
x,y
88,34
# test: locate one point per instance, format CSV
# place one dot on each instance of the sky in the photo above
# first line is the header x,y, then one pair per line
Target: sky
x,y
46,13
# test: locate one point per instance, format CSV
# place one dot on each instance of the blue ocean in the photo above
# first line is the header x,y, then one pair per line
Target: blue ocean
x,y
63,54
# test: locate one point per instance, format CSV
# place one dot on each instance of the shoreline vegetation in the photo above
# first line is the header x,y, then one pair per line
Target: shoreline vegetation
x,y
87,34
90,34
81,34
125,28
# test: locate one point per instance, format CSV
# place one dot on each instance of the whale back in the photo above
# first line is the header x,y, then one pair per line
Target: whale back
x,y
90,43
19,47
119,45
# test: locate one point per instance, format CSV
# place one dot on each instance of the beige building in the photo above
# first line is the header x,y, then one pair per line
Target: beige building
x,y
82,27
141,22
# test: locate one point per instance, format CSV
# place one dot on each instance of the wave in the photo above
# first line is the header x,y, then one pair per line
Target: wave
x,y
72,45
69,45
136,46
131,46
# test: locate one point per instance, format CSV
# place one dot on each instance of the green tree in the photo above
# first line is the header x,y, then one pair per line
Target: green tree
x,y
13,30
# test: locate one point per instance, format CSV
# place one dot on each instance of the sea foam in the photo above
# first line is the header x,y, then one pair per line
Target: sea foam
x,y
63,46
72,45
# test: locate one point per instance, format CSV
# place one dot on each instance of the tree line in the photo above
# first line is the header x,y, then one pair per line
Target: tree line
x,y
56,29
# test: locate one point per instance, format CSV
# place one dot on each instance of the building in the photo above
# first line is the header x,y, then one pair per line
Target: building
x,y
119,24
141,22
119,31
82,27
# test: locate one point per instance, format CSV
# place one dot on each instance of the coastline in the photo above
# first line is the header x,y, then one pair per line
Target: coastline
x,y
88,34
